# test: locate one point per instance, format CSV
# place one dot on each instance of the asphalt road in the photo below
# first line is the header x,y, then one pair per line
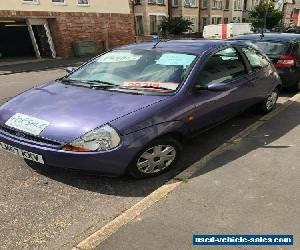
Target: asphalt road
x,y
55,208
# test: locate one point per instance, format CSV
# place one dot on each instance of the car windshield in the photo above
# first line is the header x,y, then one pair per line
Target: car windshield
x,y
136,70
271,48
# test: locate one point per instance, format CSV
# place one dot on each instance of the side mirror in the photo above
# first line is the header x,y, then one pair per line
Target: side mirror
x,y
70,69
216,87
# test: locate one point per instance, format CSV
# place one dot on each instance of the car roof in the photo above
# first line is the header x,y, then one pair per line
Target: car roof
x,y
182,46
284,37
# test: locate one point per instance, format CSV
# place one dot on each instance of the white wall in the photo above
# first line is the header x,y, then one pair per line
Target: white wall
x,y
99,6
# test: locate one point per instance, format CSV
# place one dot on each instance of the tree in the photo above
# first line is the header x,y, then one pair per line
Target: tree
x,y
175,25
265,10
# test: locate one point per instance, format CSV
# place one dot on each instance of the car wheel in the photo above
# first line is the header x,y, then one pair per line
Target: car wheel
x,y
270,102
157,157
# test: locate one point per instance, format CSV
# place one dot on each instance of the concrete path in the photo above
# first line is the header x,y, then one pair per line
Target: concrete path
x,y
252,189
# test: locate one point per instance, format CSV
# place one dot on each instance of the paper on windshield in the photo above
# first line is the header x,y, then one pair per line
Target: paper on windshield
x,y
176,59
119,56
138,84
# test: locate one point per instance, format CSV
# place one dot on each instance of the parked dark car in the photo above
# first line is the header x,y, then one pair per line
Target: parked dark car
x,y
129,110
293,29
284,51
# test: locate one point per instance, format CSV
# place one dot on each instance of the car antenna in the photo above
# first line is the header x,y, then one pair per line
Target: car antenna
x,y
154,46
159,41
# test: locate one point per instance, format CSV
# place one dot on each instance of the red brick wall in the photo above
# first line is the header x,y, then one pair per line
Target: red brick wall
x,y
117,29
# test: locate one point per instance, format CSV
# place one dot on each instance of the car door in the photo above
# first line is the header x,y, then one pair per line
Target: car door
x,y
261,73
228,91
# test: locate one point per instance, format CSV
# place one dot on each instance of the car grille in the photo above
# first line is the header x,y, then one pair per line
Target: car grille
x,y
28,137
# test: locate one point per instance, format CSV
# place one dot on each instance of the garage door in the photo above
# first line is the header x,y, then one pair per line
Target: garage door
x,y
15,39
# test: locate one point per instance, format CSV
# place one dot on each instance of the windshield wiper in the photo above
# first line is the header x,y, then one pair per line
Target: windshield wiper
x,y
89,83
100,84
146,87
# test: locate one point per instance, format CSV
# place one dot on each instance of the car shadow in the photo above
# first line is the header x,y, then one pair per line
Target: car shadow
x,y
194,150
262,138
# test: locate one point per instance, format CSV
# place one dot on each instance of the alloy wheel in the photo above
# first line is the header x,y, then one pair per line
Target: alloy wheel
x,y
156,159
271,101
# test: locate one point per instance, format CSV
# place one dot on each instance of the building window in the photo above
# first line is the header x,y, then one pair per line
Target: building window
x,y
236,20
193,26
175,3
153,24
245,4
204,22
139,25
31,1
217,4
190,3
225,20
213,20
204,4
137,2
219,20
227,5
237,5
156,1
83,2
59,1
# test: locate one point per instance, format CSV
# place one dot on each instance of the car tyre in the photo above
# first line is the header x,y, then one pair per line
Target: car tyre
x,y
270,102
156,158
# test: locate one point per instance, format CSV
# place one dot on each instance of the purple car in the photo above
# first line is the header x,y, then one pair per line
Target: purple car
x,y
130,109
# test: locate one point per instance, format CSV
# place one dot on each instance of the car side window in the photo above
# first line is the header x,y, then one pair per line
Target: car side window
x,y
223,66
256,60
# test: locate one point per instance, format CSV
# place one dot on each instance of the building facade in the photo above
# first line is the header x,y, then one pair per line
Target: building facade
x,y
188,9
211,12
290,10
150,13
48,28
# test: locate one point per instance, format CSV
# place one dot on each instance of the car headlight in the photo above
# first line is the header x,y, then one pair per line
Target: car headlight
x,y
100,139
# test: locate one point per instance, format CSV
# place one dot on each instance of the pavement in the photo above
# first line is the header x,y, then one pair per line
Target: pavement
x,y
7,68
253,188
49,208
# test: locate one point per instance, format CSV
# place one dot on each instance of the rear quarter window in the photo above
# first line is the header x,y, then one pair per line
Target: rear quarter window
x,y
272,49
256,60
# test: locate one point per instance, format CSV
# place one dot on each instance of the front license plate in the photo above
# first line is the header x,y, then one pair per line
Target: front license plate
x,y
22,153
27,123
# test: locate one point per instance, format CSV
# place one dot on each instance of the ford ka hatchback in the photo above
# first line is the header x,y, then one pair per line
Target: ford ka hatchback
x,y
128,110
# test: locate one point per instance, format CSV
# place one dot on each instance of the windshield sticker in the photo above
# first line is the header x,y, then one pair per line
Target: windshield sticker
x,y
176,59
118,57
155,85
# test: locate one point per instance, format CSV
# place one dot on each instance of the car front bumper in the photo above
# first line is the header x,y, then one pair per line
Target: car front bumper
x,y
110,163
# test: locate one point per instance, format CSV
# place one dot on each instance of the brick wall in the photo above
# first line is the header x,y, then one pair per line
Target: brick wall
x,y
117,29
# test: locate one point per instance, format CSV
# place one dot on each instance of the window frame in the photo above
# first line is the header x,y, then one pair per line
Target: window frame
x,y
83,4
31,2
190,5
204,6
59,3
174,4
